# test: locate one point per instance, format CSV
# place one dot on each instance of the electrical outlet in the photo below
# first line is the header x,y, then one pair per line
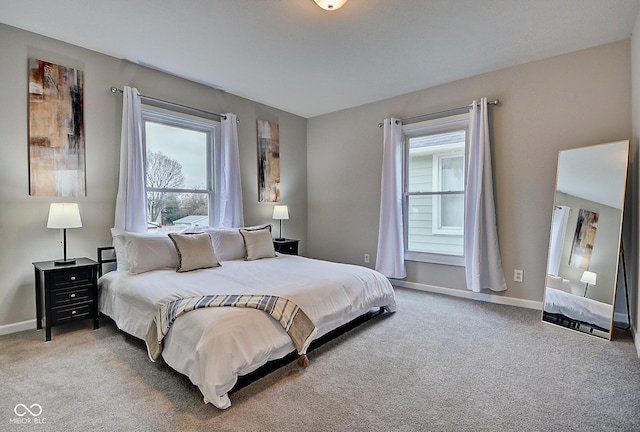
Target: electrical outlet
x,y
367,258
518,275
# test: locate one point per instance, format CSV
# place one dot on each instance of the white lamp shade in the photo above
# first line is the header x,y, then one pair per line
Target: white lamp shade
x,y
280,212
64,215
588,277
330,5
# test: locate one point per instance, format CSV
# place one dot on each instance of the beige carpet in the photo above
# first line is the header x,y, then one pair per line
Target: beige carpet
x,y
438,364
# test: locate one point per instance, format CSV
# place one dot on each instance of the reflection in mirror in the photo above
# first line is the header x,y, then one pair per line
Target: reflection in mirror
x,y
584,245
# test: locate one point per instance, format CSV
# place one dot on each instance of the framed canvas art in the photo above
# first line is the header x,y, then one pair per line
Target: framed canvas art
x,y
583,239
268,162
56,130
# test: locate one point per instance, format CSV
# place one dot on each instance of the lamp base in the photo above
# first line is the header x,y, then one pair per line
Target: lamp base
x,y
279,239
64,261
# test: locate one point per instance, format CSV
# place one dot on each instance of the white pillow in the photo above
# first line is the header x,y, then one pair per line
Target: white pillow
x,y
566,286
118,242
227,244
146,252
195,251
559,283
554,282
258,243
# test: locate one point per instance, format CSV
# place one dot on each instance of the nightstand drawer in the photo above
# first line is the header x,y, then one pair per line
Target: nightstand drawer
x,y
71,312
286,246
74,277
289,248
65,296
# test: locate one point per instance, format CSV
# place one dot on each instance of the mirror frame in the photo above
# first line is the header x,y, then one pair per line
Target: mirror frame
x,y
563,293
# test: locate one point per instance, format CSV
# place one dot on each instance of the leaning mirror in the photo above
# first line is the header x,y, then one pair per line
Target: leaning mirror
x,y
584,246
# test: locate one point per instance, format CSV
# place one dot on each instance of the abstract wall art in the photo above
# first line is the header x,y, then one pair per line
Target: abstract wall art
x,y
268,162
583,239
56,130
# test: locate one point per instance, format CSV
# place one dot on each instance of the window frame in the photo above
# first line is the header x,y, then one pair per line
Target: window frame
x,y
438,157
179,119
446,124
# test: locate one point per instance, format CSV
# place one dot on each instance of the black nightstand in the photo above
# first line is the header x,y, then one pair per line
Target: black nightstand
x,y
286,246
70,293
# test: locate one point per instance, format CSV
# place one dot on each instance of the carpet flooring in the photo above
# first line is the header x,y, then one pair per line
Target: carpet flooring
x,y
439,363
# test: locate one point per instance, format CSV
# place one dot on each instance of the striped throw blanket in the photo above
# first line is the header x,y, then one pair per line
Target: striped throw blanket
x,y
293,319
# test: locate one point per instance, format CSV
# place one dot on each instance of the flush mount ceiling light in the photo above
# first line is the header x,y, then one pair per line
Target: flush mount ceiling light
x,y
330,5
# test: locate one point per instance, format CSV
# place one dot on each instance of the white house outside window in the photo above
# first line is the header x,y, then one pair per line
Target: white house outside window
x,y
434,190
179,168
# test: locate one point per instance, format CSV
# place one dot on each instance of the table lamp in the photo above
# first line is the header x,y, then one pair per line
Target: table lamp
x,y
588,278
63,216
280,212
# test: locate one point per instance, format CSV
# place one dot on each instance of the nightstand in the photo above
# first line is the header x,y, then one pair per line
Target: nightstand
x,y
286,246
70,293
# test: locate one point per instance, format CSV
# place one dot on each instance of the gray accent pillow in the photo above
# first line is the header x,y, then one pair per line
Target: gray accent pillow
x,y
258,243
195,251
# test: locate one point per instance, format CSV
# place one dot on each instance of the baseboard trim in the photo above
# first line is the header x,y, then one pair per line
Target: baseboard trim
x,y
620,318
489,298
17,327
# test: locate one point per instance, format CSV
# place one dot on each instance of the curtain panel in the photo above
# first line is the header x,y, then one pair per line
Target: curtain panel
x,y
229,194
483,263
131,209
390,253
558,231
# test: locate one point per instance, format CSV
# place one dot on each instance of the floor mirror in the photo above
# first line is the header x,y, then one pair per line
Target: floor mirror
x,y
585,241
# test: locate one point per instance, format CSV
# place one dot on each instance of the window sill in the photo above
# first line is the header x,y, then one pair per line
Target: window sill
x,y
451,260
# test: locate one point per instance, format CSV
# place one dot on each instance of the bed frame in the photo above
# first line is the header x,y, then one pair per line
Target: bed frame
x,y
565,321
106,256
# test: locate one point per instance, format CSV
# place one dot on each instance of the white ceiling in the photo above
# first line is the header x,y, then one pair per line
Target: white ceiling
x,y
292,55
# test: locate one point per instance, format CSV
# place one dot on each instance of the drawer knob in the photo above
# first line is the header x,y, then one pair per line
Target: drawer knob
x,y
73,278
73,312
73,295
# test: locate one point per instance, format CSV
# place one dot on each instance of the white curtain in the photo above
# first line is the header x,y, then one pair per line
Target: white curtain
x,y
483,265
229,193
390,254
558,231
131,209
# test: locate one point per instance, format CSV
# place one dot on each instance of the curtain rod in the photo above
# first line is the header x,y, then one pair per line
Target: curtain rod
x,y
440,113
114,89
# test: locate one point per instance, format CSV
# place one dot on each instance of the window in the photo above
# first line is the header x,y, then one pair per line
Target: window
x,y
179,167
434,189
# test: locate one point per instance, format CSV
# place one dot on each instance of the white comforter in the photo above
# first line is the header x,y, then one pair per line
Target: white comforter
x,y
578,308
214,346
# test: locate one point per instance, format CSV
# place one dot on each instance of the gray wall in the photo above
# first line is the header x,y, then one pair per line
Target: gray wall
x,y
634,184
23,218
564,102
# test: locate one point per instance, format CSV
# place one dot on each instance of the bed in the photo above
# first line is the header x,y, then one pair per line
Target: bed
x,y
213,346
573,311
